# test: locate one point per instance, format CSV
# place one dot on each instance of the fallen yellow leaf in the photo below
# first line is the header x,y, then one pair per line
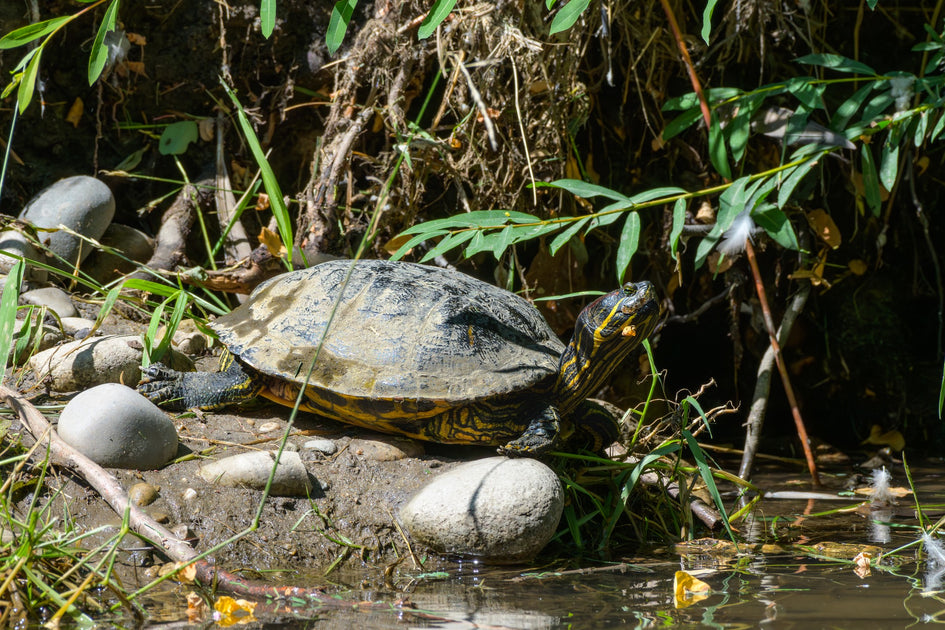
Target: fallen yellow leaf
x,y
893,439
75,112
688,589
824,226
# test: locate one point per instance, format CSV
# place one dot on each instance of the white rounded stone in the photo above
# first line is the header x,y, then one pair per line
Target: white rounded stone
x,y
117,427
497,508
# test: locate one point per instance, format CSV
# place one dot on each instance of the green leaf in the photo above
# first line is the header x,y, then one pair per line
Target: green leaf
x,y
441,9
836,62
177,137
568,15
680,123
794,177
679,221
416,240
707,19
739,129
449,242
99,53
585,189
889,165
338,24
656,193
28,81
876,106
276,202
849,107
31,32
718,154
937,129
806,91
267,17
8,302
920,129
629,241
770,218
565,236
870,181
712,95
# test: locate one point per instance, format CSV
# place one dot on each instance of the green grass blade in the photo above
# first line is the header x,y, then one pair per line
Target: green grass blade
x,y
268,176
8,301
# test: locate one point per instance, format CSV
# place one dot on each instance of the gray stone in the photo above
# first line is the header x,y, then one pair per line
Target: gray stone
x,y
96,360
252,470
53,298
498,508
143,494
83,204
117,427
134,244
14,242
386,449
321,445
73,325
41,337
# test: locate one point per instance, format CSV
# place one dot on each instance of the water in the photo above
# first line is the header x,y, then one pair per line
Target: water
x,y
778,582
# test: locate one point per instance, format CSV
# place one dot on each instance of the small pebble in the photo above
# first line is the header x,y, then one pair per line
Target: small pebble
x,y
73,325
189,494
266,427
143,493
321,445
160,517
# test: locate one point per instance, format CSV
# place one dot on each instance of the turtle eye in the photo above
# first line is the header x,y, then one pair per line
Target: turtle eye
x,y
629,288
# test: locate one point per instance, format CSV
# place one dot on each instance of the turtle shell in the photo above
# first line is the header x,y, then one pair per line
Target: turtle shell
x,y
400,331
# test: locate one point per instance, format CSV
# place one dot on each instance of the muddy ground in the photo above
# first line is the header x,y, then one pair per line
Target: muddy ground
x,y
349,521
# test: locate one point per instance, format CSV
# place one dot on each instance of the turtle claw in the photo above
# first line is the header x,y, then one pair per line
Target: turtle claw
x,y
162,386
540,437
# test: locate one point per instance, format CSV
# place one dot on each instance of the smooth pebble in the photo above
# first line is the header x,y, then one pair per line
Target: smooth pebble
x,y
251,470
116,427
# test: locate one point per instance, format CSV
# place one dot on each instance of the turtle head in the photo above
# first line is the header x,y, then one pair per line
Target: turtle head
x,y
607,330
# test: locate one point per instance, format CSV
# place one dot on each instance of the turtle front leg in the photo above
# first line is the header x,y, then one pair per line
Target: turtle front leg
x,y
539,437
178,391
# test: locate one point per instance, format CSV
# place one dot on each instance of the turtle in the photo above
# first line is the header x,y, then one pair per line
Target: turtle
x,y
420,351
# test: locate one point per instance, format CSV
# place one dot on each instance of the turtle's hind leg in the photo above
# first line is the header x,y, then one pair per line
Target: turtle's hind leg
x,y
178,391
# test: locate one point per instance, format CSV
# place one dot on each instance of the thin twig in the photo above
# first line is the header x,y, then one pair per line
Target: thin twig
x,y
782,369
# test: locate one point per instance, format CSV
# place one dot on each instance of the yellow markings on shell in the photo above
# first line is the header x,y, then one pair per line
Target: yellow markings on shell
x,y
472,339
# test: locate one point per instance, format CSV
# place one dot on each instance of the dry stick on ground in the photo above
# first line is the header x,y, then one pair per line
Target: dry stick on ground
x,y
108,487
756,415
759,284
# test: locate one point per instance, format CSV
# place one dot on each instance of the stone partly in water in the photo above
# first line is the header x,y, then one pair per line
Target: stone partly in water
x,y
83,204
499,509
117,427
251,470
96,360
53,298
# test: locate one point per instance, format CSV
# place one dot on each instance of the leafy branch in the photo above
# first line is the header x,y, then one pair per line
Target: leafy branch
x,y
26,71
